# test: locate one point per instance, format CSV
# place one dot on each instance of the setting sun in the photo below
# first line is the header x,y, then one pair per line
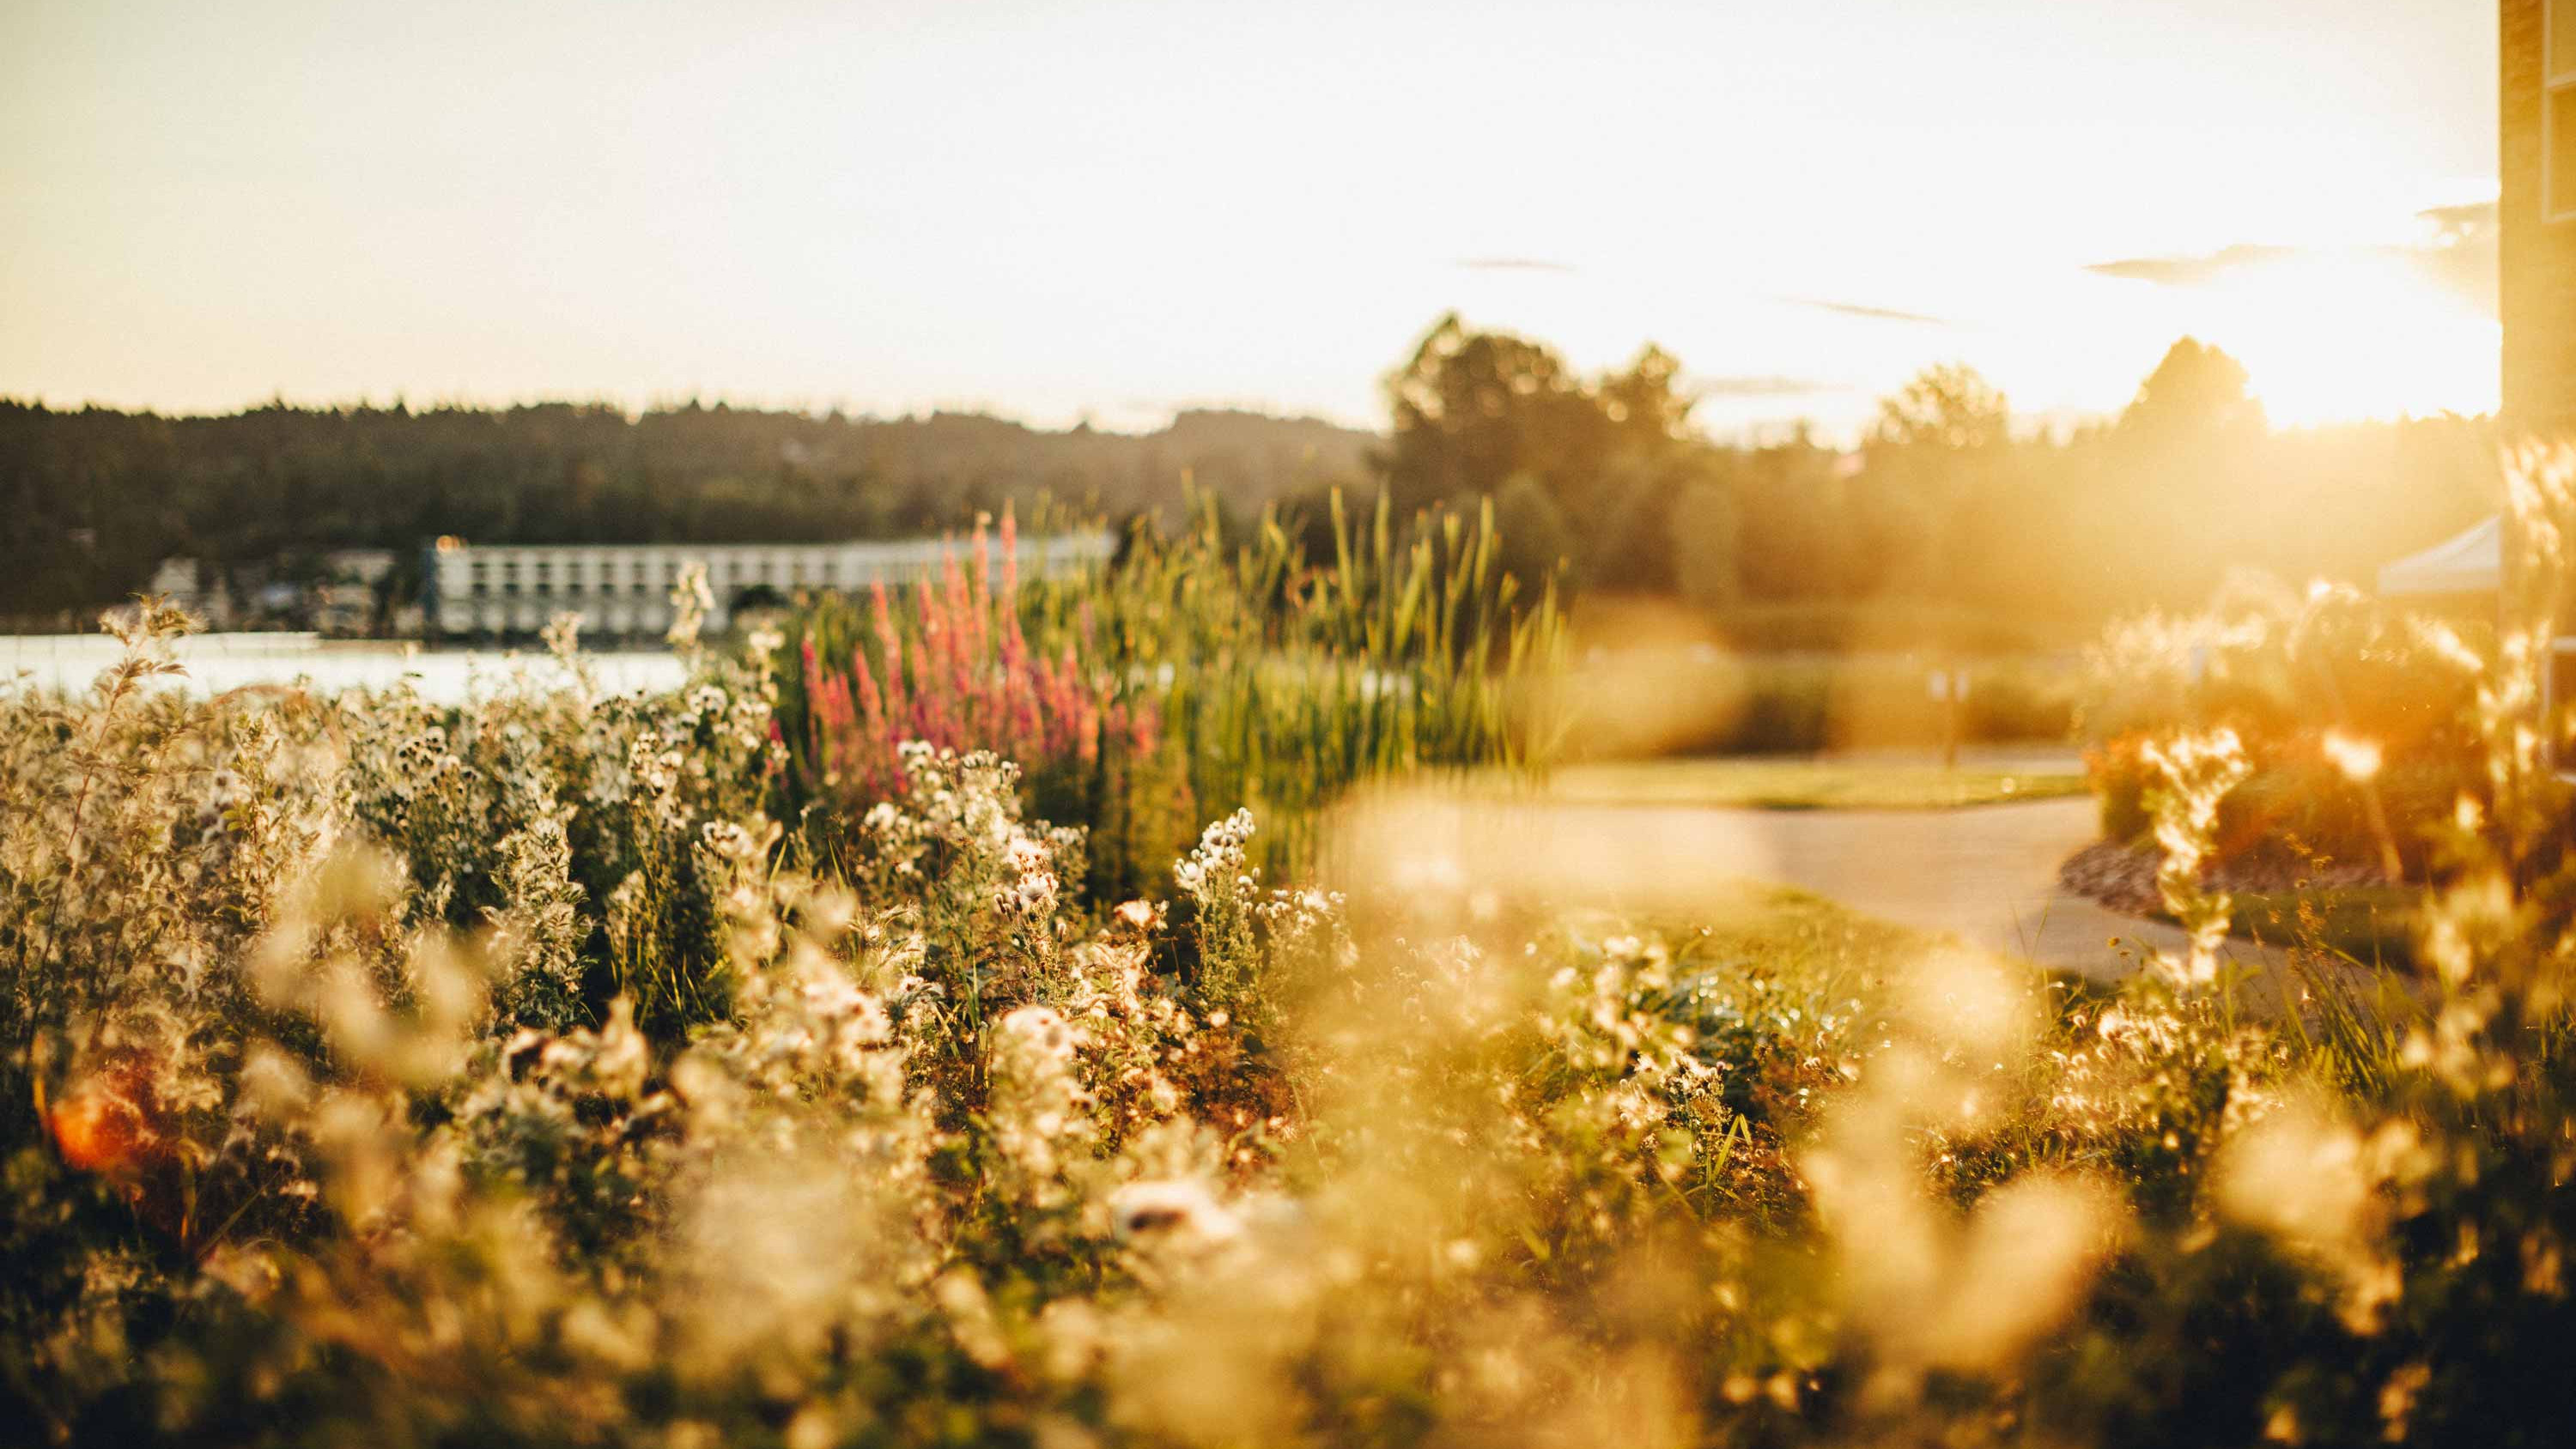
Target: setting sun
x,y
2338,337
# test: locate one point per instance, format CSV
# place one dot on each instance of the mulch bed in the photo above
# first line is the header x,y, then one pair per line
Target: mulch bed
x,y
2123,877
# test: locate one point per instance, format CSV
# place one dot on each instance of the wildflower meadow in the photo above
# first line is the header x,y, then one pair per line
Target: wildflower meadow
x,y
968,1015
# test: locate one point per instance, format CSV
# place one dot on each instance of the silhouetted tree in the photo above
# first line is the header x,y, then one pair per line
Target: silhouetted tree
x,y
1472,410
1645,404
1948,406
2198,392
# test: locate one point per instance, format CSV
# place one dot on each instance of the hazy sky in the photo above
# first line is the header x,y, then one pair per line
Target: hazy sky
x,y
1118,208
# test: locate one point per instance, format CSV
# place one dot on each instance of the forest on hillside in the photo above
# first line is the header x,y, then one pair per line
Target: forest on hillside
x,y
93,498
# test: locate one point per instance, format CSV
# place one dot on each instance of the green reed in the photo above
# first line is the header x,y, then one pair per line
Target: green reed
x,y
1251,675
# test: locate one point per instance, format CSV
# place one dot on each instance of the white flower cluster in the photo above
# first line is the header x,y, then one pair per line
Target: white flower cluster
x,y
966,810
1030,890
1216,864
1040,1112
657,774
553,1104
425,767
966,798
736,857
538,930
808,1031
727,841
2199,772
737,720
690,601
1308,926
1302,911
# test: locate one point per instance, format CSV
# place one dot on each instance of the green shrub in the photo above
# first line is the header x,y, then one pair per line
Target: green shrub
x,y
2297,685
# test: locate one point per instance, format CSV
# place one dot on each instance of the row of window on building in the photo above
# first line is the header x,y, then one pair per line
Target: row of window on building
x,y
499,587
634,576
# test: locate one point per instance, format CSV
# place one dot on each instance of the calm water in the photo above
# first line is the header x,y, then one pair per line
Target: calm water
x,y
217,662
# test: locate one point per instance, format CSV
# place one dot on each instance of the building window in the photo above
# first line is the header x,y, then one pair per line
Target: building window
x,y
2558,111
2560,127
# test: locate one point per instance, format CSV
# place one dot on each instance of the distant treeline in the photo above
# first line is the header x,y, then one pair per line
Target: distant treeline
x,y
91,499
1949,525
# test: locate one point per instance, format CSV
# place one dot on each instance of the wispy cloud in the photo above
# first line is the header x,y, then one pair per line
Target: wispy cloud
x,y
2194,271
2467,219
1512,264
1761,387
2456,253
1870,312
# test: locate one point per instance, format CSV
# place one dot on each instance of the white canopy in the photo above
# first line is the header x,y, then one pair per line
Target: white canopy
x,y
2471,563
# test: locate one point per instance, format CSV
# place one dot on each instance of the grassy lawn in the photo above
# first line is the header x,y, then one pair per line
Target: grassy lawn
x,y
1813,956
1794,933
1805,784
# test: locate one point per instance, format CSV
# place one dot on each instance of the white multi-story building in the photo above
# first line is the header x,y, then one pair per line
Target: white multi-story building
x,y
625,589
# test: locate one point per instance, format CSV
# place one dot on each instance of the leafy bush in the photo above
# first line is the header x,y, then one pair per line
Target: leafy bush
x,y
2344,707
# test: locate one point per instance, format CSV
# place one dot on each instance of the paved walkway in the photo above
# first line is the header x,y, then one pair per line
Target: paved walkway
x,y
1987,874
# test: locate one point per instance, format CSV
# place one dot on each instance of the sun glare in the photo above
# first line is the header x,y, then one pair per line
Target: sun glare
x,y
2349,336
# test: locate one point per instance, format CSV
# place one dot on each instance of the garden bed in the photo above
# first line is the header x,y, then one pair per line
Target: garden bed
x,y
2349,909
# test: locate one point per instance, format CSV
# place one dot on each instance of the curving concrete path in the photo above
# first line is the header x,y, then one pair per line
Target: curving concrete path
x,y
1986,874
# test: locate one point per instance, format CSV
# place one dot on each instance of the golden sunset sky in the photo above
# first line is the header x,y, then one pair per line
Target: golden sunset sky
x,y
1114,209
